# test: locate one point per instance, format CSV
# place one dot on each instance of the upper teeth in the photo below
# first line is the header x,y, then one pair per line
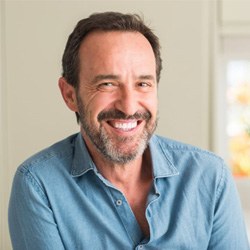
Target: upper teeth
x,y
125,126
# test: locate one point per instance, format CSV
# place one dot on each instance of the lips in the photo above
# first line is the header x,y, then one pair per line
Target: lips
x,y
119,115
123,125
122,122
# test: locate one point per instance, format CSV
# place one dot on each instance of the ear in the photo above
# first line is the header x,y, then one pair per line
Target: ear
x,y
68,93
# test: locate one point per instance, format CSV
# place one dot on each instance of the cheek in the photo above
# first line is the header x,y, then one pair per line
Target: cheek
x,y
151,103
97,104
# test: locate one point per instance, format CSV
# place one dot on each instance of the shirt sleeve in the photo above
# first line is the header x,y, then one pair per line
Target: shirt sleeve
x,y
229,230
31,221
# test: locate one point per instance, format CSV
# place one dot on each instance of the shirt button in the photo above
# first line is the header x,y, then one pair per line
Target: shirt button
x,y
119,202
140,246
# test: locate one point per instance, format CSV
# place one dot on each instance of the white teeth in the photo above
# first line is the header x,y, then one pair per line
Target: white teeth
x,y
125,126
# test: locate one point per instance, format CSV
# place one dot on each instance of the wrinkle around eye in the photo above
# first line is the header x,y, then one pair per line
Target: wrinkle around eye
x,y
144,84
106,86
145,87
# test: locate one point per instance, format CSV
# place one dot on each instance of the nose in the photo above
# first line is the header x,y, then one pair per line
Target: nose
x,y
128,101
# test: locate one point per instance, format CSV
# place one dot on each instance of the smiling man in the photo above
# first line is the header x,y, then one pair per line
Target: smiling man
x,y
117,96
115,185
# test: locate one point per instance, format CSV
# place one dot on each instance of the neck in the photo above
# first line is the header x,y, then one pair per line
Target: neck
x,y
128,174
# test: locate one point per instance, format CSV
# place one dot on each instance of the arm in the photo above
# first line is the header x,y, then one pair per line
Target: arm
x,y
31,220
228,229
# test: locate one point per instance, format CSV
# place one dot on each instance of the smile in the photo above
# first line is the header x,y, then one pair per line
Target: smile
x,y
124,126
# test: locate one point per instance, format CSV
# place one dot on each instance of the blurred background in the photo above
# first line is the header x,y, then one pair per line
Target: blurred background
x,y
204,90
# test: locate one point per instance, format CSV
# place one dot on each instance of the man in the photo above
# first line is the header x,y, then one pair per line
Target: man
x,y
115,185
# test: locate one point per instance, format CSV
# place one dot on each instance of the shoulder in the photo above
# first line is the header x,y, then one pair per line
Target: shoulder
x,y
170,146
196,167
49,158
190,159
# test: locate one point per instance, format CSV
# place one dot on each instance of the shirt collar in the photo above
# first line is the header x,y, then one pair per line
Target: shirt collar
x,y
162,164
82,161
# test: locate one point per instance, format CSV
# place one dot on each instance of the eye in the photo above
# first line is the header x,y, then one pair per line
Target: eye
x,y
106,86
143,84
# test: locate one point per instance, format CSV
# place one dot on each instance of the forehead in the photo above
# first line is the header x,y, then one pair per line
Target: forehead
x,y
117,49
105,41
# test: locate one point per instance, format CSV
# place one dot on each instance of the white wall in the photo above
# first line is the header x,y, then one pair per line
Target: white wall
x,y
33,36
235,11
4,168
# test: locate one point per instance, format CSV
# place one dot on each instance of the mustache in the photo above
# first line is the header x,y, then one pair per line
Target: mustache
x,y
117,114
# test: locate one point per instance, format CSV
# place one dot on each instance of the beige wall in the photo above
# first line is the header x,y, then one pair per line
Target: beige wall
x,y
33,36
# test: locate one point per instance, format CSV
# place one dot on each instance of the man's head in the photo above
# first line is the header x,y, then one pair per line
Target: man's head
x,y
112,84
107,21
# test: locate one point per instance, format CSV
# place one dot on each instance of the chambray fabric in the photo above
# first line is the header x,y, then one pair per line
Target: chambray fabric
x,y
60,201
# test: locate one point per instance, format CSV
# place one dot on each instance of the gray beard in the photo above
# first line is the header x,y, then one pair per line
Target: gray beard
x,y
106,145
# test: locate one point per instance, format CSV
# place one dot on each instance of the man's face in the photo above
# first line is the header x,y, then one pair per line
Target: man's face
x,y
117,95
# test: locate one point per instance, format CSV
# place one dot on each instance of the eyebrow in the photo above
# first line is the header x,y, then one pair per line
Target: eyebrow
x,y
147,77
105,77
116,77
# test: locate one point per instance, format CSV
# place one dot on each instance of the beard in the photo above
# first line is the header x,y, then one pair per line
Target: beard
x,y
116,148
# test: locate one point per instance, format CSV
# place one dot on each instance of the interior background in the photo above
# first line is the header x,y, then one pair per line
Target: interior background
x,y
33,35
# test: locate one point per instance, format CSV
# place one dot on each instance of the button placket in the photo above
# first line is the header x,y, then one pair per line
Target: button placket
x,y
126,215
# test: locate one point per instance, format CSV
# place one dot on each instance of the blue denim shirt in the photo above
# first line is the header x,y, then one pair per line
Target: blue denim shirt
x,y
60,201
